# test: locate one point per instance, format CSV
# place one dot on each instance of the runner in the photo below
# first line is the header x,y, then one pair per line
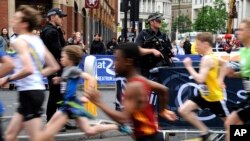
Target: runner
x,y
211,95
241,116
136,98
6,67
32,55
71,106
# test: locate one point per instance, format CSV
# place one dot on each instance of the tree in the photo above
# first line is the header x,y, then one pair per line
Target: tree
x,y
212,19
184,24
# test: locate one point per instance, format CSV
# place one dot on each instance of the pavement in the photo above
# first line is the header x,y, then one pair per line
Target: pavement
x,y
9,99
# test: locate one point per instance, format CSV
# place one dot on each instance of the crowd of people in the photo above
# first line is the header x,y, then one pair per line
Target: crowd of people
x,y
46,53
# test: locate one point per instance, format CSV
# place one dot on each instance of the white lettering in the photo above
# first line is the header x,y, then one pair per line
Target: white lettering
x,y
105,78
101,64
240,132
107,64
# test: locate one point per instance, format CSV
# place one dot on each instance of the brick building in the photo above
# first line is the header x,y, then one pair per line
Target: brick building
x,y
88,21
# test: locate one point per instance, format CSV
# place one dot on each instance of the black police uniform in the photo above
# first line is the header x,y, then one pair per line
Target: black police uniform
x,y
52,37
147,38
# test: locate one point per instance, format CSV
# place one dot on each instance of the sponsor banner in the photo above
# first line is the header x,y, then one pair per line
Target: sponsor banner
x,y
182,57
182,86
233,56
105,69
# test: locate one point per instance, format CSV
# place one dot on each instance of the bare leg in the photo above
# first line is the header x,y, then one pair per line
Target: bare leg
x,y
186,111
53,128
93,130
54,118
33,126
232,119
14,127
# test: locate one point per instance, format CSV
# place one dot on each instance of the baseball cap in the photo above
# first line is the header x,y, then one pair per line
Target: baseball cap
x,y
155,16
57,11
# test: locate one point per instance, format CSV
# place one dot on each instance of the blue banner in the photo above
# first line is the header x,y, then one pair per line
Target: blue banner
x,y
105,69
182,86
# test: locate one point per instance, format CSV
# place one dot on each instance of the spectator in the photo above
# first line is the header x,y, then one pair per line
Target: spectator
x,y
111,45
77,40
180,49
71,38
52,36
2,44
187,46
97,47
4,34
218,45
174,47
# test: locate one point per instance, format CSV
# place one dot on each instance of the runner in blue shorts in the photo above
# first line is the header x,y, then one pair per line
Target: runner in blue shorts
x,y
6,66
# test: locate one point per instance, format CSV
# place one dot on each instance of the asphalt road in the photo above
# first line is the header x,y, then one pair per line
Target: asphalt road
x,y
9,99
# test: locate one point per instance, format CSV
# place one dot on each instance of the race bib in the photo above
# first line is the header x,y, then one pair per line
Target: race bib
x,y
204,90
246,84
63,87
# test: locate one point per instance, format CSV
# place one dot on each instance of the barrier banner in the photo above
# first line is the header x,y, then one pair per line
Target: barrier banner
x,y
105,69
182,86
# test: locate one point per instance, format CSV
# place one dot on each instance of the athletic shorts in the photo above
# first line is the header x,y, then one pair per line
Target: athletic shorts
x,y
218,108
158,136
30,104
244,110
74,109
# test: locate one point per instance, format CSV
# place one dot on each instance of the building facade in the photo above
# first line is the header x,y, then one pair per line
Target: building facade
x,y
241,8
181,7
146,7
88,21
242,11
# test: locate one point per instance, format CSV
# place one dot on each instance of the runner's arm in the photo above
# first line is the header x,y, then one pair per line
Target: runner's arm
x,y
205,65
6,65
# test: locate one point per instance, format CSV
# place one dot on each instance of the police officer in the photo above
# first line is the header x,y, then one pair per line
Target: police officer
x,y
153,38
52,37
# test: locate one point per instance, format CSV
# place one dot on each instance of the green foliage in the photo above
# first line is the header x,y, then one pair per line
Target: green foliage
x,y
184,24
212,19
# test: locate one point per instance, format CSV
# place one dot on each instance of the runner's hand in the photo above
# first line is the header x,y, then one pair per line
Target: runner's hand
x,y
3,81
187,62
93,95
167,114
56,80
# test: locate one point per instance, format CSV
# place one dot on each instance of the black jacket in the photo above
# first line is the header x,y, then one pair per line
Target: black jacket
x,y
147,38
52,37
97,47
187,47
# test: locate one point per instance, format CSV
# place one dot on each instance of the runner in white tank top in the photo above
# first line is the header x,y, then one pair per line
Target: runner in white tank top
x,y
32,56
